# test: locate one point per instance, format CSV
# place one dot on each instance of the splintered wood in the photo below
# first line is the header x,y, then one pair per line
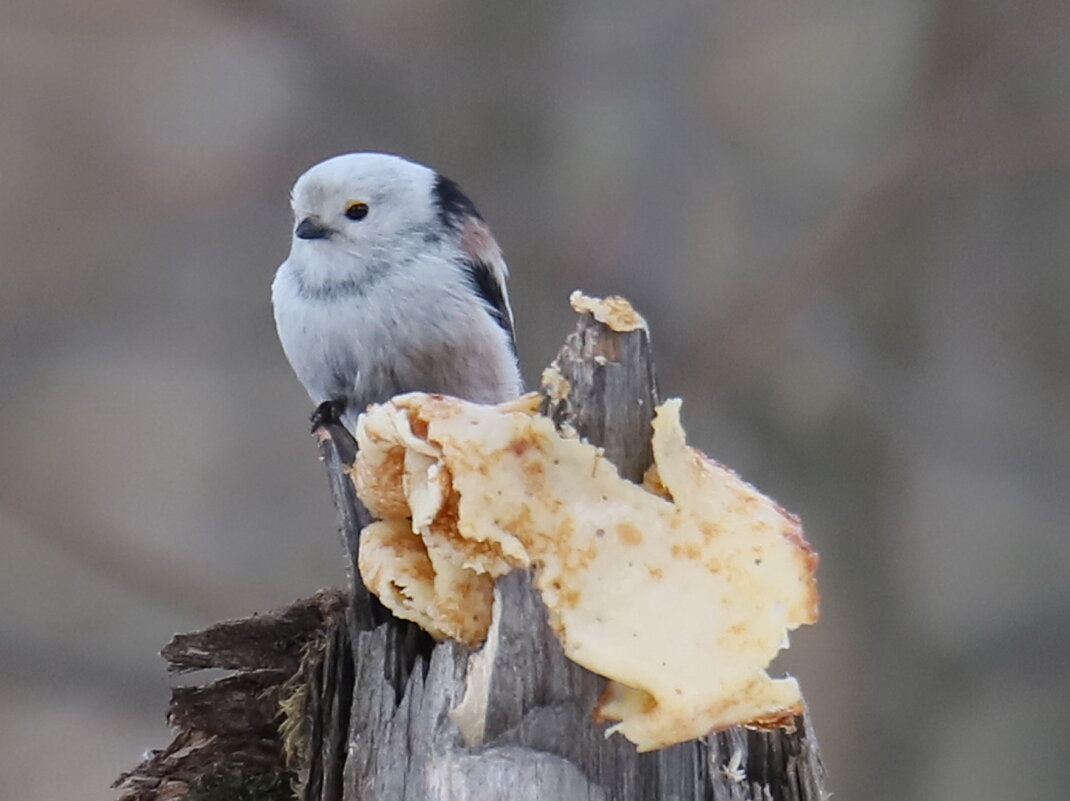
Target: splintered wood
x,y
680,591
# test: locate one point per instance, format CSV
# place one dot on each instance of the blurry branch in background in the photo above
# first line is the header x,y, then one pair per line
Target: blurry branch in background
x,y
40,659
331,54
182,586
951,131
1021,147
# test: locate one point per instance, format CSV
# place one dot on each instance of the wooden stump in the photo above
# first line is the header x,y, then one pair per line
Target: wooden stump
x,y
366,706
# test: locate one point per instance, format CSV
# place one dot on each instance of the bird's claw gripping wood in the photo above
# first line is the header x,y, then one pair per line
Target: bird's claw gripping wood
x,y
327,413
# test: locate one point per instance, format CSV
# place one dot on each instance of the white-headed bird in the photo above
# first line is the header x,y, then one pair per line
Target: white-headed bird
x,y
393,284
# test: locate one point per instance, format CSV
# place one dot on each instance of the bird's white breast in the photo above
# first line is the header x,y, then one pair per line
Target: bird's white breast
x,y
417,325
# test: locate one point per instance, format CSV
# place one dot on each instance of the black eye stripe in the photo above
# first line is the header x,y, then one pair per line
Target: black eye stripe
x,y
357,211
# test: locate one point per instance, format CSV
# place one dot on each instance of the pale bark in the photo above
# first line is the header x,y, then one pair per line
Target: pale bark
x,y
376,694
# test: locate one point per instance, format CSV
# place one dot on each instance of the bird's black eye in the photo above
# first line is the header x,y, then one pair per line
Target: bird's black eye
x,y
357,211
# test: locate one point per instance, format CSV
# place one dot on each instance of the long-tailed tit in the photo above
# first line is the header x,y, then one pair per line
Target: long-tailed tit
x,y
393,284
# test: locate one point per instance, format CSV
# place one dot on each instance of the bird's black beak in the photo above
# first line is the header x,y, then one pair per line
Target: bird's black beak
x,y
308,228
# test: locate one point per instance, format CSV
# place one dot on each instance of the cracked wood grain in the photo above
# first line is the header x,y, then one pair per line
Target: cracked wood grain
x,y
368,698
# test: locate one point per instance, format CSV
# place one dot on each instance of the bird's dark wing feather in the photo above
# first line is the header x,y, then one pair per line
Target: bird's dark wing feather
x,y
487,272
485,280
483,258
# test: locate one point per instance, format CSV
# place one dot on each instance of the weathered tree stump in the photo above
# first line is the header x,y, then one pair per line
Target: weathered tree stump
x,y
336,700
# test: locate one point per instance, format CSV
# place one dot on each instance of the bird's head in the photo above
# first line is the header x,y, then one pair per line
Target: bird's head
x,y
362,202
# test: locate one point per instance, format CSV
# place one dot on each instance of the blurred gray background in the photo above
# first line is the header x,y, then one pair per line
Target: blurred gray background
x,y
848,224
